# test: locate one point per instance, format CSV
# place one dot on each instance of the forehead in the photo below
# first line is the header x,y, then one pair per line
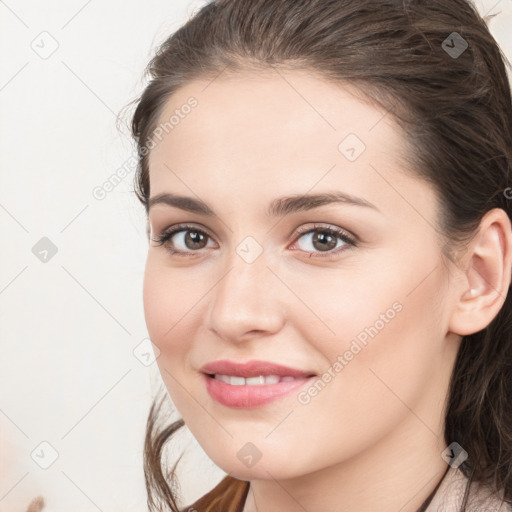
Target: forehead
x,y
290,131
250,110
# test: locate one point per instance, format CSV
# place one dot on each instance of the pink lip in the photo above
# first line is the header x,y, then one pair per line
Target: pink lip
x,y
250,396
252,369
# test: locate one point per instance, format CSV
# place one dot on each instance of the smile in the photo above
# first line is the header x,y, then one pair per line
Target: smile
x,y
260,380
240,392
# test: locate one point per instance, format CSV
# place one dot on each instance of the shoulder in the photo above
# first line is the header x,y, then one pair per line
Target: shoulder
x,y
227,494
451,493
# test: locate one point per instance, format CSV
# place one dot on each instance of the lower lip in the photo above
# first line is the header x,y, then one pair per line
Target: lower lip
x,y
247,397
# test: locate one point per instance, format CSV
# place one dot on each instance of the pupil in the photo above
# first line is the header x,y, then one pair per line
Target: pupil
x,y
195,238
322,238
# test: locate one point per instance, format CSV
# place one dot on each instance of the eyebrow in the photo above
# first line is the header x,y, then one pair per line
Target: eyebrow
x,y
279,207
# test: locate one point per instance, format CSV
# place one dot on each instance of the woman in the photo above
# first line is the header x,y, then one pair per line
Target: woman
x,y
327,186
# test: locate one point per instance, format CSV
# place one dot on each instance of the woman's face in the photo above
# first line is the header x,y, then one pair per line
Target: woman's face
x,y
368,319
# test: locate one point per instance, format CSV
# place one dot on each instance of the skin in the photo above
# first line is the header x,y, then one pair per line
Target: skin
x,y
28,496
372,438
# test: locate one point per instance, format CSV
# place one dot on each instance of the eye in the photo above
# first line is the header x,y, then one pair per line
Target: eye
x,y
321,239
324,239
187,238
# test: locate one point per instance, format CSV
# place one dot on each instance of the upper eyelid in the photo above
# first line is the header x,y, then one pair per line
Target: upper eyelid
x,y
176,228
300,231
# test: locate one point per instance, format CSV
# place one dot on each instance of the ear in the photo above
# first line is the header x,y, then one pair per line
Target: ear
x,y
482,289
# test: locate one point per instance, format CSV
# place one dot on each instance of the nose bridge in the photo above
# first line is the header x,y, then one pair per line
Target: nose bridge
x,y
242,299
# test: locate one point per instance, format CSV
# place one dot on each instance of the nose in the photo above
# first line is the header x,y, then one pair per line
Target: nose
x,y
247,301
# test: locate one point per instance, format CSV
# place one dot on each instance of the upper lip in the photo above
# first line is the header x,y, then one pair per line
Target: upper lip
x,y
252,369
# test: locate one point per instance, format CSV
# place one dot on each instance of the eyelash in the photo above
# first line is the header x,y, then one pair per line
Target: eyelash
x,y
337,232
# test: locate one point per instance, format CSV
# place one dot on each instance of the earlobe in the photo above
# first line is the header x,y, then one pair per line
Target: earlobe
x,y
488,264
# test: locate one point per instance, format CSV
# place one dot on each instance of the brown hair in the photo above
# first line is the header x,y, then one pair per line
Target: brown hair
x,y
456,112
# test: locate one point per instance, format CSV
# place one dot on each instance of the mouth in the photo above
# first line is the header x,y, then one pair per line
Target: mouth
x,y
253,369
259,380
251,384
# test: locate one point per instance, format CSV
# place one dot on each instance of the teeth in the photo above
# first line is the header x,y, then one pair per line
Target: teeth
x,y
255,381
260,380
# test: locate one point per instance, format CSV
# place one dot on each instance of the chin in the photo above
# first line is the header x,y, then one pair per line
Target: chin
x,y
269,469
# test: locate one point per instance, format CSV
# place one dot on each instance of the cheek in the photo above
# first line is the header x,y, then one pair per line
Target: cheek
x,y
155,301
166,292
386,323
404,347
166,302
165,297
339,305
380,367
174,301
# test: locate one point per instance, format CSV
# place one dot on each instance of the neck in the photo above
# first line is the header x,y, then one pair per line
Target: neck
x,y
400,473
